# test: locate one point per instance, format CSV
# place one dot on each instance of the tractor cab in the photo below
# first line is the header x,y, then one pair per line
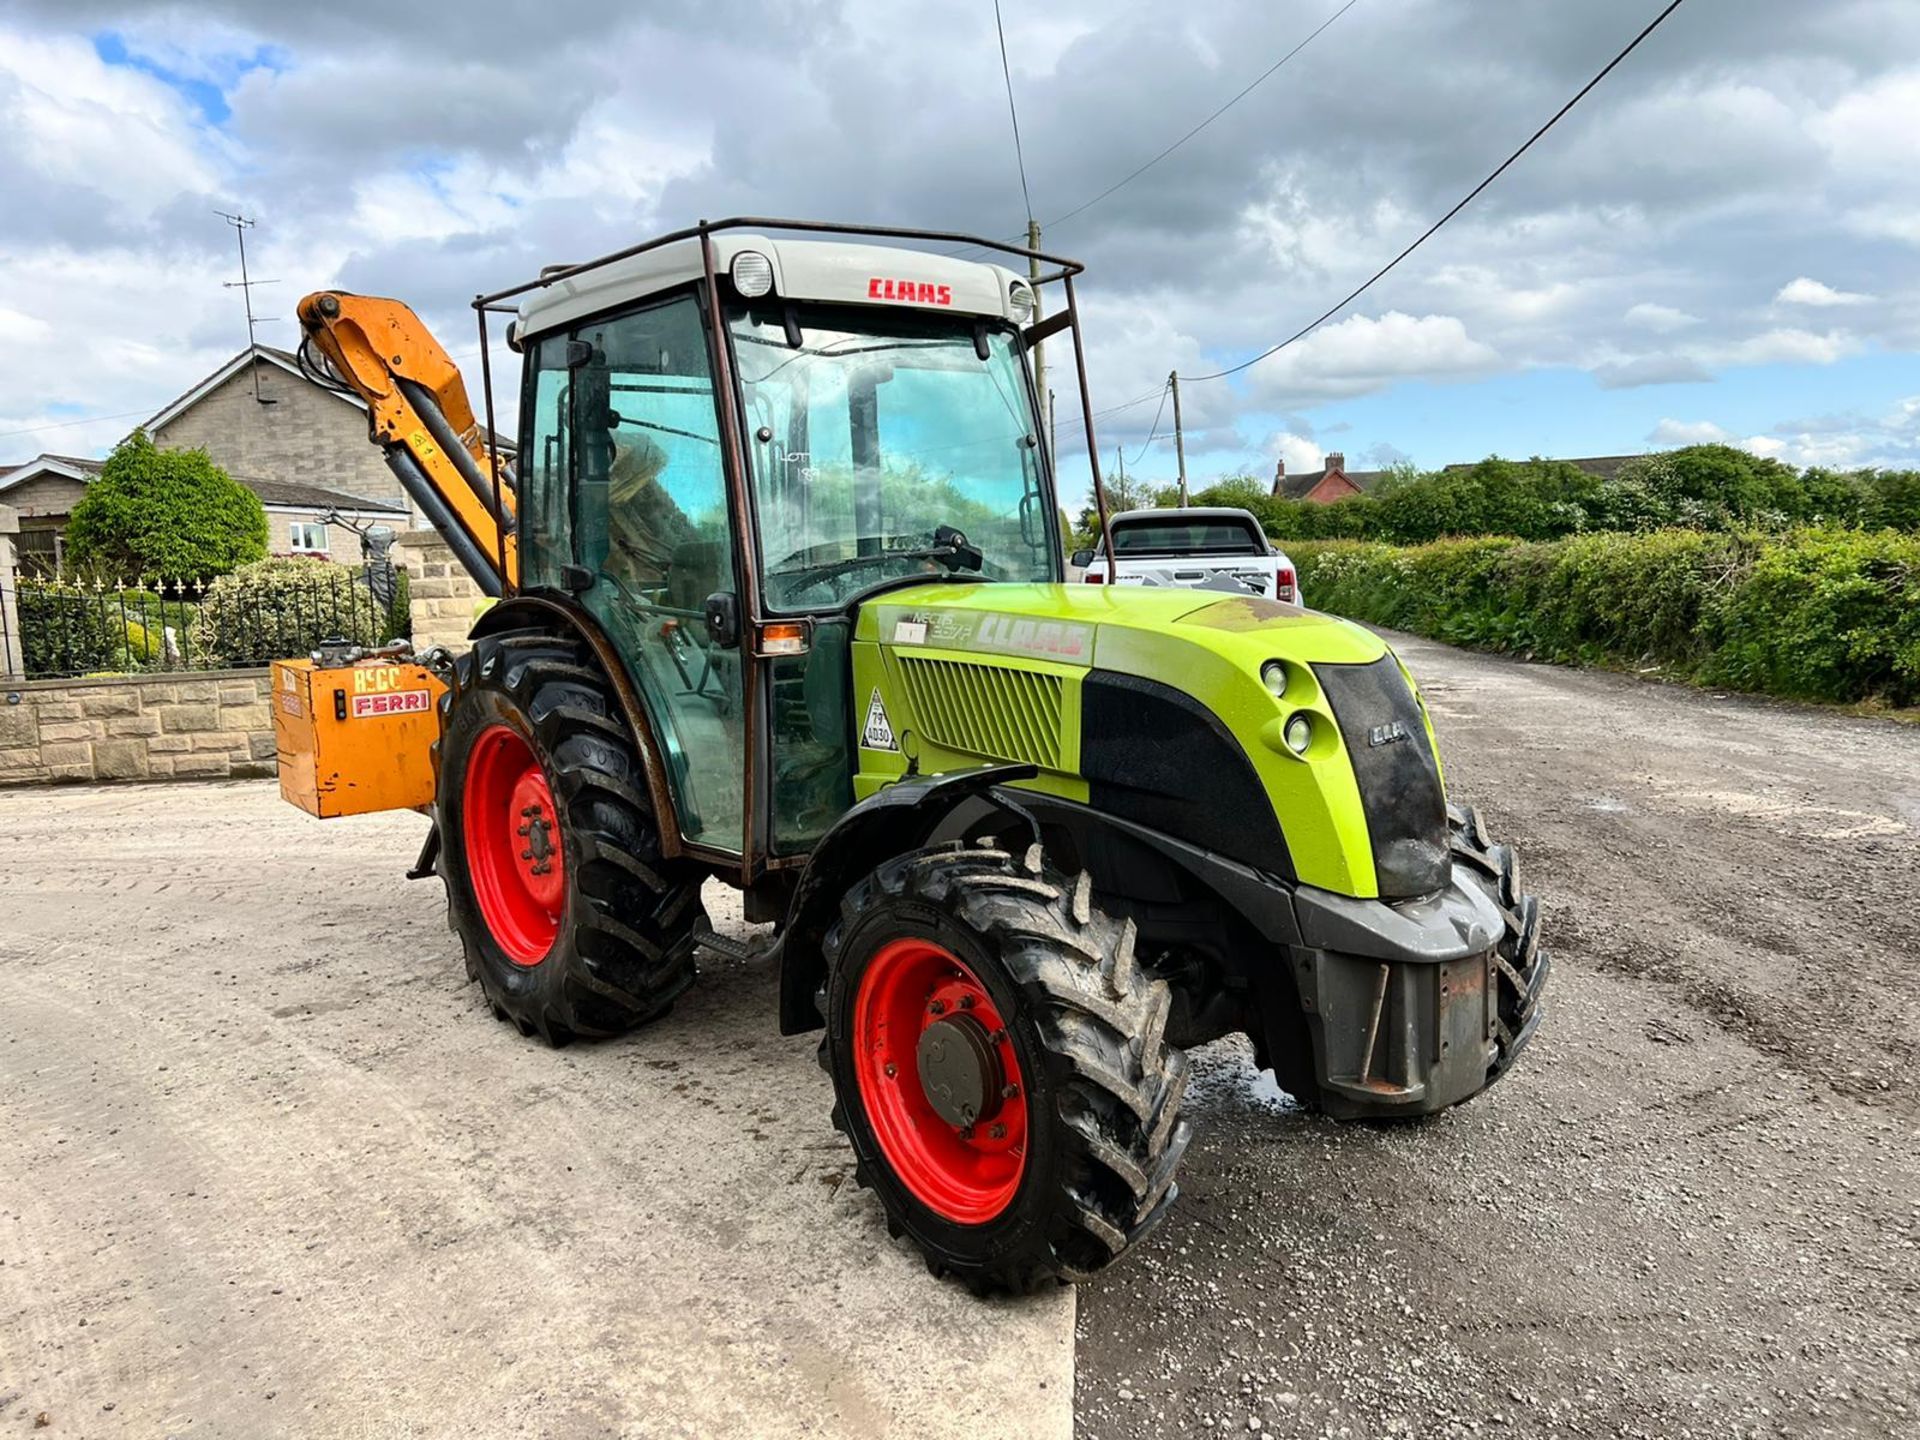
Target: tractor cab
x,y
729,442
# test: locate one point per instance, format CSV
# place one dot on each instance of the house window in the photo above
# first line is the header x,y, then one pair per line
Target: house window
x,y
307,539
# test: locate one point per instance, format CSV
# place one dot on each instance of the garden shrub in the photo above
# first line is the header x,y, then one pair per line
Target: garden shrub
x,y
164,512
274,609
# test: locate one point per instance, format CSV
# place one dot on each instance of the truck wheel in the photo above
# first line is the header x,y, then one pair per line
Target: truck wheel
x,y
999,1065
571,921
1520,966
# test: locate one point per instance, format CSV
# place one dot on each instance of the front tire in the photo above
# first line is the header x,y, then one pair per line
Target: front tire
x,y
570,919
999,1065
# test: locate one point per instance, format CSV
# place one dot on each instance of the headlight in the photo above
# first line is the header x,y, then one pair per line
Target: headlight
x,y
752,274
1274,676
1299,734
1020,302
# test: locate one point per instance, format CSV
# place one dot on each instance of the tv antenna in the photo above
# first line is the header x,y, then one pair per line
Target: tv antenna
x,y
241,224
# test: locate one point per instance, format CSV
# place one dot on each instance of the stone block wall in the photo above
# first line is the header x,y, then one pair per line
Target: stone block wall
x,y
444,600
165,727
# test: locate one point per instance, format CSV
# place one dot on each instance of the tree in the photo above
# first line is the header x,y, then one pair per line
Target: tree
x,y
165,514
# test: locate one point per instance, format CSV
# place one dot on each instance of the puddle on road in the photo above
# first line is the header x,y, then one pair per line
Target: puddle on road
x,y
1224,1081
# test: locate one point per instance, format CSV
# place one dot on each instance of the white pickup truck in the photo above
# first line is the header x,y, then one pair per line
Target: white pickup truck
x,y
1195,549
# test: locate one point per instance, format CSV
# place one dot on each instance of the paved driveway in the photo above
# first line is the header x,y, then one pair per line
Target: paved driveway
x,y
269,1167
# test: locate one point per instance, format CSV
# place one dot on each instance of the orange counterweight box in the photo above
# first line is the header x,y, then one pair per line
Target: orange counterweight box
x,y
354,739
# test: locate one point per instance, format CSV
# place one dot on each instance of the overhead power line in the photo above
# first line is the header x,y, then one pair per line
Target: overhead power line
x,y
1156,423
1140,170
1460,205
1013,114
1255,84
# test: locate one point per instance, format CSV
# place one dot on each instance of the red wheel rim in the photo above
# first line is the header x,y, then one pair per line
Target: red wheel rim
x,y
512,838
964,1173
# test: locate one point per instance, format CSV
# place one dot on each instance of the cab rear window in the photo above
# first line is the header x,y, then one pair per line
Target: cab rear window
x,y
1186,537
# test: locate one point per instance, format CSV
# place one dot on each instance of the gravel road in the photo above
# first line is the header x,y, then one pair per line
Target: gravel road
x,y
269,1168
1694,1211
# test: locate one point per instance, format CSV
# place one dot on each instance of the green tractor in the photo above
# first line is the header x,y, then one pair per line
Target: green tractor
x,y
783,604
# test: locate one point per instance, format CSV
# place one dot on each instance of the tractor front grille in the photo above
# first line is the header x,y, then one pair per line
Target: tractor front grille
x,y
985,710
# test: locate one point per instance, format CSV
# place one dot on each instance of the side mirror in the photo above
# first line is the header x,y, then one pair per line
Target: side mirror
x,y
723,620
1081,559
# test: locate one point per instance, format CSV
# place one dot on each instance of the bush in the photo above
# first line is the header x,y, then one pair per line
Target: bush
x,y
1703,487
169,513
273,609
63,630
1815,614
84,630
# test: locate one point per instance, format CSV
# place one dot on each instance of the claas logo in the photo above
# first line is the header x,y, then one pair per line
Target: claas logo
x,y
920,292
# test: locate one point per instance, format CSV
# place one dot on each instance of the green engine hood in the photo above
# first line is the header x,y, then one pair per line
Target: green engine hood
x,y
949,675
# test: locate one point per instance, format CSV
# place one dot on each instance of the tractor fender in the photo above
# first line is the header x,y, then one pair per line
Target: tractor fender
x,y
893,820
539,612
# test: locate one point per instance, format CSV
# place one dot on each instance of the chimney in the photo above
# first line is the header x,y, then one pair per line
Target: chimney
x,y
1336,462
1279,475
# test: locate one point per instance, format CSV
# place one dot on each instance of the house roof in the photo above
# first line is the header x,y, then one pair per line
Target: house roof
x,y
1604,467
73,467
298,494
280,359
1298,487
281,494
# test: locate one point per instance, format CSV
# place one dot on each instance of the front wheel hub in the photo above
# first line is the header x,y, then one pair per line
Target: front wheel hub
x,y
940,1081
960,1070
514,853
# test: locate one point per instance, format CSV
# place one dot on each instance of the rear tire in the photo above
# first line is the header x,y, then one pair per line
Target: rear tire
x,y
601,938
1079,1031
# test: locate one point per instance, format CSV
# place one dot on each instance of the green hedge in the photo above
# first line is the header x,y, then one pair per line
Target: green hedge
x,y
1813,614
1703,487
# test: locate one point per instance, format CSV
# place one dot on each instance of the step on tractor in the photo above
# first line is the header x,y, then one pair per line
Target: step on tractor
x,y
778,593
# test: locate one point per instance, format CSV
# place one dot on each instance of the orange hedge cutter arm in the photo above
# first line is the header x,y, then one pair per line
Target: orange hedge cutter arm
x,y
419,414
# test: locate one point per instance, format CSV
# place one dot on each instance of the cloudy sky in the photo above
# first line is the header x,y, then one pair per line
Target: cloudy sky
x,y
1721,242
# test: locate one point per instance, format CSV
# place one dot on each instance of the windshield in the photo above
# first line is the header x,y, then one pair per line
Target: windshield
x,y
1215,535
875,438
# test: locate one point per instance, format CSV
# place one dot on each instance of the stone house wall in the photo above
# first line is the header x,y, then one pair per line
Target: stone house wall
x,y
137,728
307,434
445,601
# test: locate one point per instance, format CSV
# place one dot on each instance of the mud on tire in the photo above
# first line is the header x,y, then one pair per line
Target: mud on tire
x,y
1103,1089
1520,966
624,945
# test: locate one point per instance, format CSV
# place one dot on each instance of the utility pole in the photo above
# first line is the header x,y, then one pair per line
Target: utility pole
x,y
241,224
1179,438
1040,350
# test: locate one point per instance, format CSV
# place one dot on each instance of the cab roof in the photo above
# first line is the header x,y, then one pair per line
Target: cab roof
x,y
822,270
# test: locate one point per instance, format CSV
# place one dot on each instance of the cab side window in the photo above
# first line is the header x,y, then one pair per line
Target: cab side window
x,y
544,471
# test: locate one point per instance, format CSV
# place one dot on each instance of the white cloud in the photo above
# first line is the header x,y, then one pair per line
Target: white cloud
x,y
83,123
1661,319
1807,291
1687,432
1301,455
1788,346
1362,354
